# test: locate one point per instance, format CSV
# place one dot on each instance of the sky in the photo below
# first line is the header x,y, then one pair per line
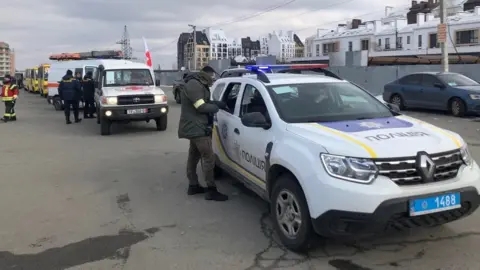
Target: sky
x,y
35,29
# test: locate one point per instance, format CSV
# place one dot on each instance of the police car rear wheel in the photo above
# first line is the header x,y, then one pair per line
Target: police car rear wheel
x,y
177,97
161,123
290,214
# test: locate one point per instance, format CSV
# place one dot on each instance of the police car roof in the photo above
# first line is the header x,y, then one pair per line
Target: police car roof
x,y
286,78
122,64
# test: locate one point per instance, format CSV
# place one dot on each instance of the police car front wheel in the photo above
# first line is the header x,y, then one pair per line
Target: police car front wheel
x,y
291,214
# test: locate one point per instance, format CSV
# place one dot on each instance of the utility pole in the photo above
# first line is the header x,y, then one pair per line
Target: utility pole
x,y
194,45
443,45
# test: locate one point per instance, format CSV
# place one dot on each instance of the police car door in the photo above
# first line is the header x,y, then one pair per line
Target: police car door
x,y
254,142
226,121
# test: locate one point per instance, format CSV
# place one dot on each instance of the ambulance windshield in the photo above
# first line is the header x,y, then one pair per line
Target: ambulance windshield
x,y
123,77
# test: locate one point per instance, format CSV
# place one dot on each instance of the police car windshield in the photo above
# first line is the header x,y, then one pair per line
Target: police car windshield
x,y
325,102
122,77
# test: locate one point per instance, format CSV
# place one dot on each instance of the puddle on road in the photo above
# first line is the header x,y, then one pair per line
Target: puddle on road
x,y
79,253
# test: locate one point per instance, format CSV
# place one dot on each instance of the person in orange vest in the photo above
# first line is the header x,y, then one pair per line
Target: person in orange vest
x,y
9,97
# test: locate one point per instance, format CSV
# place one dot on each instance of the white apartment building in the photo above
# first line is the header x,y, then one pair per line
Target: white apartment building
x,y
218,43
278,43
234,47
393,36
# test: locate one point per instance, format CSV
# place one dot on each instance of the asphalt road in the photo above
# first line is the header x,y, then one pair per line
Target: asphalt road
x,y
71,199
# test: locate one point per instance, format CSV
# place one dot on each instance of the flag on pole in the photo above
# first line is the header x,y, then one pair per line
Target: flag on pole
x,y
148,57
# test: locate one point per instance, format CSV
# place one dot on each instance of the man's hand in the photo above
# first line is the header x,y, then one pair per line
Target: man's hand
x,y
220,104
15,97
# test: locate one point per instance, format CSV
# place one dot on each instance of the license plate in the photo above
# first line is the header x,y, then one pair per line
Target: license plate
x,y
435,204
137,111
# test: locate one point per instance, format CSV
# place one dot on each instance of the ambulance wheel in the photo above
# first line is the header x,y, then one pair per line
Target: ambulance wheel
x,y
161,123
57,104
105,126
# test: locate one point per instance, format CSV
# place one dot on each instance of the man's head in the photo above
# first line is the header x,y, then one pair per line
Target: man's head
x,y
78,75
89,74
69,72
209,74
7,79
209,70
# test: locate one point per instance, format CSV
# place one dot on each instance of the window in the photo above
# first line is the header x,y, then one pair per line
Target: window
x,y
408,39
457,80
432,41
414,79
93,70
124,77
230,96
429,80
379,43
325,102
399,43
387,43
350,46
317,50
329,47
466,37
252,101
419,41
217,92
365,44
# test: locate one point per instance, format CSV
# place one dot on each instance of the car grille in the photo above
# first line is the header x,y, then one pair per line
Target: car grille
x,y
403,171
403,221
134,100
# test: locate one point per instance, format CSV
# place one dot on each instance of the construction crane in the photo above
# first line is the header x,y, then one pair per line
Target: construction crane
x,y
125,42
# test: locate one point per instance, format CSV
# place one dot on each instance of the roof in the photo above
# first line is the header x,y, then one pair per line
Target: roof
x,y
286,78
122,64
298,41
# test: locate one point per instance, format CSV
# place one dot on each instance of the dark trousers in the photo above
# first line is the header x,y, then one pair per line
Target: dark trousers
x,y
71,104
9,114
88,108
201,149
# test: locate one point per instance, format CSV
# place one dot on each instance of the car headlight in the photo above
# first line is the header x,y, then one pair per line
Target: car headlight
x,y
474,96
359,170
467,159
109,100
160,98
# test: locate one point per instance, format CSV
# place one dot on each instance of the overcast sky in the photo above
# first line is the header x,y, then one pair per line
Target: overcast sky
x,y
37,28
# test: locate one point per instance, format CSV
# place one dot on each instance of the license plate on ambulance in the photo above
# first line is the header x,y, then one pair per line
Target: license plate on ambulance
x,y
439,203
137,111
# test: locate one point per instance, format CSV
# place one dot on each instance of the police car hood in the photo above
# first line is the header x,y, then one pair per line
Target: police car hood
x,y
132,90
399,136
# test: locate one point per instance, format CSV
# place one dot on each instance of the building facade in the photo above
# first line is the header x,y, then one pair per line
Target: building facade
x,y
218,43
409,32
280,44
186,46
7,59
234,48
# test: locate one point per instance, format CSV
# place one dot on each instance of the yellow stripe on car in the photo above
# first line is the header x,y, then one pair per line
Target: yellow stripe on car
x,y
370,150
453,138
198,103
234,165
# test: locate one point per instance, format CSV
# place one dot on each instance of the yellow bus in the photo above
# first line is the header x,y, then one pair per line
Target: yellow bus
x,y
28,79
43,70
35,87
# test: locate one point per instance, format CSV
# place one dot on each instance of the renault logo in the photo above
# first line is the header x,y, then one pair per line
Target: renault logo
x,y
425,167
136,100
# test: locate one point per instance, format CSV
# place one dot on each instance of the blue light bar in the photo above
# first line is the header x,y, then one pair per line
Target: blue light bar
x,y
292,66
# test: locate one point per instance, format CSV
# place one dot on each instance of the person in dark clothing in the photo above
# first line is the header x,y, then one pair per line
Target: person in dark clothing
x,y
88,96
70,91
196,123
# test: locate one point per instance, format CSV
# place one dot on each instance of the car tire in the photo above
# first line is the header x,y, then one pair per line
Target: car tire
x,y
161,123
177,97
57,104
457,107
396,99
287,195
105,126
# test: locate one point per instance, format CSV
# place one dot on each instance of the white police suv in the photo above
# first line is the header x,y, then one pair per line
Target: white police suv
x,y
333,160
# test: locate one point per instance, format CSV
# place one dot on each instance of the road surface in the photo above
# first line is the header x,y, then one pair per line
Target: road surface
x,y
72,199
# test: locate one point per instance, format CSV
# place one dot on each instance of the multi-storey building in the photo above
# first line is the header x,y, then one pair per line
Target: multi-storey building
x,y
280,44
250,48
403,32
218,43
299,47
7,59
234,48
202,47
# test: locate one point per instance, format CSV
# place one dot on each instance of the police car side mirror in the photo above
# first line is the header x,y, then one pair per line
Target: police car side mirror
x,y
393,107
255,120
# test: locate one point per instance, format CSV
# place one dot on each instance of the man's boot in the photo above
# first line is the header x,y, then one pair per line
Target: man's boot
x,y
195,189
213,195
78,120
